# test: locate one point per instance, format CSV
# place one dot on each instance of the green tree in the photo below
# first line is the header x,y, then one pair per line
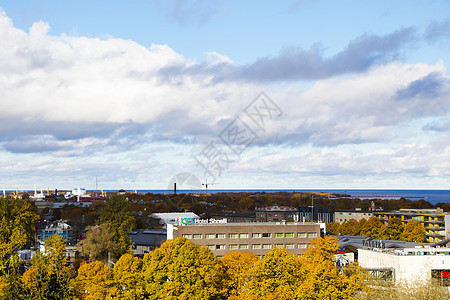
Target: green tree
x,y
49,277
17,225
414,232
395,228
99,242
116,212
180,269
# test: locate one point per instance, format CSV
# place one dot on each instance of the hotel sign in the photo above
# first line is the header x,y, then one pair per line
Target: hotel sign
x,y
192,221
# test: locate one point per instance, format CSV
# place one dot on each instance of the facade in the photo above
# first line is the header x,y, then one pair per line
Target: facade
x,y
276,213
257,238
434,221
315,213
407,265
57,227
341,216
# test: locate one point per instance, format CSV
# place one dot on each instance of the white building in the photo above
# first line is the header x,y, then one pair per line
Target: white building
x,y
407,265
175,217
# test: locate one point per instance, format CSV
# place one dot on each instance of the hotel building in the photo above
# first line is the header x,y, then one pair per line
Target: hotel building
x,y
257,238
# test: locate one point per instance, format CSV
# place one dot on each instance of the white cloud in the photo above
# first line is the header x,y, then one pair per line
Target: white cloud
x,y
69,98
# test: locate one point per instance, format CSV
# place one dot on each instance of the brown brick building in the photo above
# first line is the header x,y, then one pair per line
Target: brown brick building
x,y
257,238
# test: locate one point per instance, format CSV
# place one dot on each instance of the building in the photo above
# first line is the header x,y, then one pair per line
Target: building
x,y
407,265
235,216
435,221
147,240
341,216
276,213
315,213
174,217
351,244
57,227
258,238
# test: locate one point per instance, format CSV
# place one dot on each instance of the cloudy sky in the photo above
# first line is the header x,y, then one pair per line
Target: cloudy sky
x,y
355,93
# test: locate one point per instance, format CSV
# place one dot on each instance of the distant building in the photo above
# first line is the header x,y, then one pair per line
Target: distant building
x,y
57,227
257,238
276,213
315,213
147,240
341,216
435,221
236,216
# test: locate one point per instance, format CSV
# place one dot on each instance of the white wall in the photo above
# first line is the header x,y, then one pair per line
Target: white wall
x,y
407,268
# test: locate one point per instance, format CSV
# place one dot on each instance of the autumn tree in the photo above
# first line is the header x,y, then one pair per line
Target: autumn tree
x,y
237,265
320,277
93,280
49,277
333,228
100,242
395,229
276,276
375,229
414,232
351,227
180,269
127,275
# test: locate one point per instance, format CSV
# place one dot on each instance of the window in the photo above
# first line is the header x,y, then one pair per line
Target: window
x,y
289,246
196,236
233,235
266,235
302,246
312,234
279,235
188,236
256,246
302,234
267,246
220,247
279,245
233,246
210,236
211,247
243,246
289,235
220,236
243,235
256,235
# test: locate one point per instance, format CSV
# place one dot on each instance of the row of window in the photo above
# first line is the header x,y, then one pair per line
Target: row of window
x,y
256,246
254,235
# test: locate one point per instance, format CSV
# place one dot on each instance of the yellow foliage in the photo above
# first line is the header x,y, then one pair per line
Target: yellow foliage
x,y
237,265
92,280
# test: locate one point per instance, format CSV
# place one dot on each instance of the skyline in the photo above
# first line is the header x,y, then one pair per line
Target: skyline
x,y
357,93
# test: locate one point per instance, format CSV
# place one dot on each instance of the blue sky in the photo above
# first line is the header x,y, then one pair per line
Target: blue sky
x,y
133,93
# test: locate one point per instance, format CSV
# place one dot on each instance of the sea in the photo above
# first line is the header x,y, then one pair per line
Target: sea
x,y
432,196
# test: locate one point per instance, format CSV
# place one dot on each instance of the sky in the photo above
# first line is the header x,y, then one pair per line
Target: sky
x,y
300,94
